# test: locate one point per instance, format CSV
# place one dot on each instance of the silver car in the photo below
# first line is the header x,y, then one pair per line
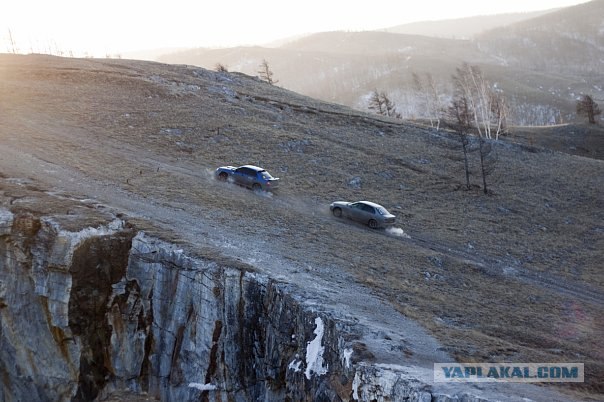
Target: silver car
x,y
369,213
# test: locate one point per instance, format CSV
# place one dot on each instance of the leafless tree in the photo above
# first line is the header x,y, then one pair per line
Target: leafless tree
x,y
460,120
499,112
375,102
587,107
12,42
390,107
382,105
427,93
265,73
486,105
221,68
487,161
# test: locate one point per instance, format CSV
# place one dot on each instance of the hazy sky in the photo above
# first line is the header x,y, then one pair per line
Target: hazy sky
x,y
117,26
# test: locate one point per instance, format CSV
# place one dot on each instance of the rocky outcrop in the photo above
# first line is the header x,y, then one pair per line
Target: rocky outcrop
x,y
84,313
54,288
190,328
88,312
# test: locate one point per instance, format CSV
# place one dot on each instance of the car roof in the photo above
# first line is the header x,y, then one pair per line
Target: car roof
x,y
373,204
256,168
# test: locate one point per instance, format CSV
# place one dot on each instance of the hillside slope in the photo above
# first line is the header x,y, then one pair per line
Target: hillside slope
x,y
541,64
511,276
463,28
566,41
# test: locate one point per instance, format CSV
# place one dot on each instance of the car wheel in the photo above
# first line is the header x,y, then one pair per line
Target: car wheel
x,y
256,187
373,224
337,212
223,176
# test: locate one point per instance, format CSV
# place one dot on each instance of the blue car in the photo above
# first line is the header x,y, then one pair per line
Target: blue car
x,y
248,176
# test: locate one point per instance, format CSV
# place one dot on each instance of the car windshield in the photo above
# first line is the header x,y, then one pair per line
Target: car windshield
x,y
382,211
266,175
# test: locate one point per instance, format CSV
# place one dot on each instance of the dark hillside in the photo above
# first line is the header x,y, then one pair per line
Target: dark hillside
x,y
567,41
585,140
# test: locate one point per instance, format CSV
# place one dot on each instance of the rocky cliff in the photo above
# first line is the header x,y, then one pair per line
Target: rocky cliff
x,y
102,308
90,311
91,305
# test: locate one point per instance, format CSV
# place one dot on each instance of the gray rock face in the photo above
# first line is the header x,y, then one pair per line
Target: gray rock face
x,y
191,328
86,313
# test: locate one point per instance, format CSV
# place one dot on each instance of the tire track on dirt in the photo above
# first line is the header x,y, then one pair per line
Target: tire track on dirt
x,y
488,265
494,267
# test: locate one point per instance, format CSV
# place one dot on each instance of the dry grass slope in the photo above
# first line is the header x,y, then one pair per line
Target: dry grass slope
x,y
512,276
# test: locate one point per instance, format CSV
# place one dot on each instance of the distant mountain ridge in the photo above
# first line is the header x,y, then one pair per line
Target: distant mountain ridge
x,y
542,64
571,39
464,28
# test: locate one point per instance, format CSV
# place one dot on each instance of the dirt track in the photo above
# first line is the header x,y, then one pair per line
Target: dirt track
x,y
492,277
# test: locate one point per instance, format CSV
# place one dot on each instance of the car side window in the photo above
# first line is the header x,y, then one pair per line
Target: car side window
x,y
368,208
247,171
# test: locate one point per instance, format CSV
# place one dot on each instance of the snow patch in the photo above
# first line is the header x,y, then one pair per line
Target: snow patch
x,y
314,352
295,365
356,383
397,232
346,357
203,387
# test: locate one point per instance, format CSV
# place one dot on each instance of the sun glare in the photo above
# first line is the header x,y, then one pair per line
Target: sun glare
x,y
110,27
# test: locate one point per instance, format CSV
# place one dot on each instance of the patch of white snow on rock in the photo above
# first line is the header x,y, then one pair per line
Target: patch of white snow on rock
x,y
314,352
295,365
203,387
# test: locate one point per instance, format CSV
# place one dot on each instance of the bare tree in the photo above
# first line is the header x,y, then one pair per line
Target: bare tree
x,y
487,161
427,93
587,107
376,103
463,88
390,107
420,92
500,111
12,42
221,68
382,105
265,73
488,107
460,120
